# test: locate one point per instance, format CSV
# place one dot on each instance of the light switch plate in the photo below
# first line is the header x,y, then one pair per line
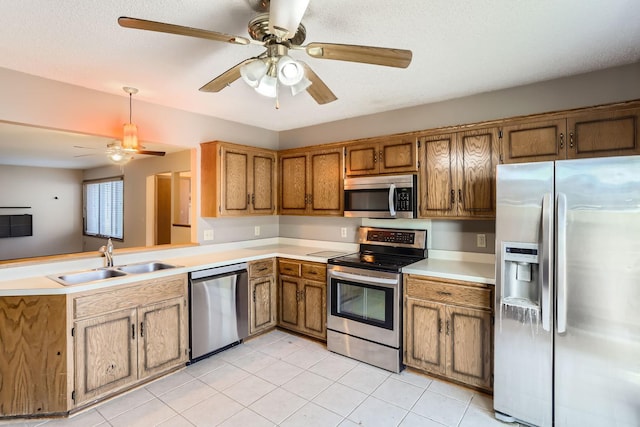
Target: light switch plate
x,y
208,234
481,240
343,232
256,230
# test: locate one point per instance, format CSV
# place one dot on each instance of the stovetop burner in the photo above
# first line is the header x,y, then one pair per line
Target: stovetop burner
x,y
385,249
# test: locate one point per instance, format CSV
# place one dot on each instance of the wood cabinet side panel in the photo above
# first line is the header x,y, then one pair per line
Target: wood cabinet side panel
x,y
33,360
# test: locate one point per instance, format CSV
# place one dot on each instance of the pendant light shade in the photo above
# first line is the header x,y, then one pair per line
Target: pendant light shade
x,y
252,72
117,154
130,137
285,16
120,152
289,71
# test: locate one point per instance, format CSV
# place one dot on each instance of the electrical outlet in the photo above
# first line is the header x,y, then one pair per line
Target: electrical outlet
x,y
481,240
256,230
343,232
208,234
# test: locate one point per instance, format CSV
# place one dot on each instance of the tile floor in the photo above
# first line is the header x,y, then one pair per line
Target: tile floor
x,y
285,380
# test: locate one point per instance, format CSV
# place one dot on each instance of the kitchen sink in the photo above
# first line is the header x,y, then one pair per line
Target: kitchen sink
x,y
144,267
87,276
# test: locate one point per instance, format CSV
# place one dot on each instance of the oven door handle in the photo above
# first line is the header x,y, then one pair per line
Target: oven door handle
x,y
368,279
392,204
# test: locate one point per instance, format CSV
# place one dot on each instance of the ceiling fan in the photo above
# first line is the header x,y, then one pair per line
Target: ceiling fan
x,y
279,31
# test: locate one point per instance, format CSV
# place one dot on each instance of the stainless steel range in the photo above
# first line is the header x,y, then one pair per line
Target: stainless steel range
x,y
364,306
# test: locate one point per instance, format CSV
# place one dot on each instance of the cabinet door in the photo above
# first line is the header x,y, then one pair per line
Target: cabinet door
x,y
33,360
263,303
263,183
106,354
314,300
437,195
477,158
424,337
362,159
326,182
469,345
398,155
534,141
289,298
235,194
604,133
293,184
162,341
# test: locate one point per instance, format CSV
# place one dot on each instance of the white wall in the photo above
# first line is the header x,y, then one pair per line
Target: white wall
x,y
55,197
135,197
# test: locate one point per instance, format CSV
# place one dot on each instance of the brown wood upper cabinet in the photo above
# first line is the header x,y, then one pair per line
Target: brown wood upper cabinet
x,y
457,176
599,132
311,182
237,180
394,154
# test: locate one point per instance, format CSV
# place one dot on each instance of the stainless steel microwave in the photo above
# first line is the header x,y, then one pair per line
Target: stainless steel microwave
x,y
390,196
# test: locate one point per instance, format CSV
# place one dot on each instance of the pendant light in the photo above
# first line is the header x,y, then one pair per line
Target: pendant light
x,y
130,131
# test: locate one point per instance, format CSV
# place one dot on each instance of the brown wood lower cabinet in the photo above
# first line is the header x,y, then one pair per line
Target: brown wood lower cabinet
x,y
302,297
128,335
262,296
448,329
33,359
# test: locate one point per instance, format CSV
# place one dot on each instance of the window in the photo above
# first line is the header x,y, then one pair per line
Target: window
x,y
103,207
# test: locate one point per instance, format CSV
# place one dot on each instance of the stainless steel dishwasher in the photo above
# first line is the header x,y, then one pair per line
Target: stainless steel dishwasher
x,y
219,316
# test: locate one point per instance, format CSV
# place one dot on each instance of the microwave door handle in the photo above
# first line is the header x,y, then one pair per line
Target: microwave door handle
x,y
392,204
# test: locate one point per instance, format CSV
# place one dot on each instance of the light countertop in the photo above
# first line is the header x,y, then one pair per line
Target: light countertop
x,y
478,272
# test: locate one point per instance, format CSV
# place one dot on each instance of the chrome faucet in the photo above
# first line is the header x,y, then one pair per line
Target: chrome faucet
x,y
108,252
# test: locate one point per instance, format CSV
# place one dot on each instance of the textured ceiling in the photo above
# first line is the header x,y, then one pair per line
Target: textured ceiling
x,y
459,48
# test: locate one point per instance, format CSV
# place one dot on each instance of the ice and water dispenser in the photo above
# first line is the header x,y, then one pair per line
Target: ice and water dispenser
x,y
520,269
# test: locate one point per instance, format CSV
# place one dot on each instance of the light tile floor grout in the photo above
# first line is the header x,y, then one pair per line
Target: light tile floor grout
x,y
281,379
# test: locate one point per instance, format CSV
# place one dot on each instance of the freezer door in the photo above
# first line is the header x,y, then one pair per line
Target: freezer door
x,y
523,352
597,357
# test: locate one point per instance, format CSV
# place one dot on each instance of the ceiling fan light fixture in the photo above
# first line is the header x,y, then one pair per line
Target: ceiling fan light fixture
x,y
117,154
268,86
252,72
290,72
301,86
285,17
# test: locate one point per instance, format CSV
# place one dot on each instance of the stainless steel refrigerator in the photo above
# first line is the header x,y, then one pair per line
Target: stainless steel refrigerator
x,y
567,327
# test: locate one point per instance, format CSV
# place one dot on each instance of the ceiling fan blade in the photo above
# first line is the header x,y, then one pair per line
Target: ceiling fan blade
x,y
225,79
285,16
151,153
399,58
142,24
318,90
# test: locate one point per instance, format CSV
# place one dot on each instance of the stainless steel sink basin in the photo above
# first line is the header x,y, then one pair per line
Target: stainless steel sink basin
x,y
144,267
87,276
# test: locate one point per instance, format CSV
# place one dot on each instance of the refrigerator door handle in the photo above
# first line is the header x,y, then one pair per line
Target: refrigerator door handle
x,y
547,261
562,263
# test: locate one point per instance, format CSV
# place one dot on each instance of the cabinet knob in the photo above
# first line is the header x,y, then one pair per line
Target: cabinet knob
x,y
561,140
570,139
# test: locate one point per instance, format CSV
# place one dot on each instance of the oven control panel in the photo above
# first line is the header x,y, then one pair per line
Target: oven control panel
x,y
387,236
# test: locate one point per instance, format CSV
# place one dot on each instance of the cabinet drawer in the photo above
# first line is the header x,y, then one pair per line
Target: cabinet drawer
x,y
289,268
317,272
261,268
143,292
455,294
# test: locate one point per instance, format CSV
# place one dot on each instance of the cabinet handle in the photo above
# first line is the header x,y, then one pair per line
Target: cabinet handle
x,y
306,199
381,156
447,327
254,296
263,269
253,199
133,332
141,329
310,199
460,196
561,140
375,157
444,293
453,197
248,199
440,326
570,139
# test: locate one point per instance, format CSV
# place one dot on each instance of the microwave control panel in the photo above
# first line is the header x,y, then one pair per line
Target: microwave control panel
x,y
403,200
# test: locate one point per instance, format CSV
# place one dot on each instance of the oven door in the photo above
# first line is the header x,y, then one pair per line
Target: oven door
x,y
364,304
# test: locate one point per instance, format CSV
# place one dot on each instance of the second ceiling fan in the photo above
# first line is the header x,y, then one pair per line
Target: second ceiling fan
x,y
279,31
